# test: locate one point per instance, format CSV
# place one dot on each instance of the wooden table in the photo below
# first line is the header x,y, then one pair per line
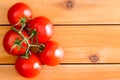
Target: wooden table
x,y
89,32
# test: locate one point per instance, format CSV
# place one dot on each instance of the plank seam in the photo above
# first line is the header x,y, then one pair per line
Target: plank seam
x,y
76,64
75,24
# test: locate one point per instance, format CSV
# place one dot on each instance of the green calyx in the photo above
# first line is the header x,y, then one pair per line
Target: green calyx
x,y
17,41
23,20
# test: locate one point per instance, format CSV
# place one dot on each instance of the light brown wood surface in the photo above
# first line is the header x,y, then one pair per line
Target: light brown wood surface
x,y
82,12
67,72
92,49
80,43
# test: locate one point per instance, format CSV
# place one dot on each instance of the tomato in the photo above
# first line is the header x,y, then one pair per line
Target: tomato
x,y
28,67
17,12
13,43
43,28
52,54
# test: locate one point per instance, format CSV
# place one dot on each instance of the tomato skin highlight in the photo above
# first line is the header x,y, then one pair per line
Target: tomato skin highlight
x,y
10,40
18,11
28,68
52,54
43,27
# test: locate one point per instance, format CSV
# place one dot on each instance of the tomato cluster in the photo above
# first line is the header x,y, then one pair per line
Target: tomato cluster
x,y
29,39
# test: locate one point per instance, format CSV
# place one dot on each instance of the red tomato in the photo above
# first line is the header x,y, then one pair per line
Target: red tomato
x,y
12,43
52,54
43,28
17,12
28,67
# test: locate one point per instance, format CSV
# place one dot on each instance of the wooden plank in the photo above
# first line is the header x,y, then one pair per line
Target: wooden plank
x,y
69,11
66,72
82,44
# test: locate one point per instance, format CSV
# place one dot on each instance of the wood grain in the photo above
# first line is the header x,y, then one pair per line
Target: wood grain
x,y
66,72
82,44
69,11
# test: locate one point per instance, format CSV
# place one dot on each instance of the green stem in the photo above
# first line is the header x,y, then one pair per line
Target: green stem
x,y
23,23
35,45
23,26
17,23
24,39
27,52
31,36
19,32
41,46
